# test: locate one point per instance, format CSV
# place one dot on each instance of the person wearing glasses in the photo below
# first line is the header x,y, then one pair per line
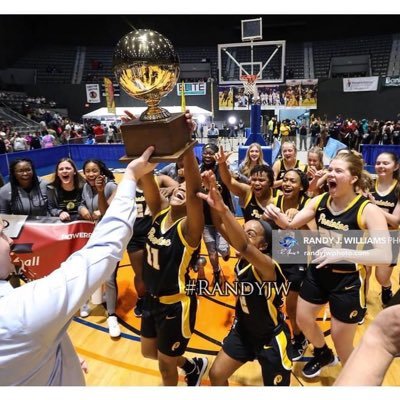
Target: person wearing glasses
x,y
35,349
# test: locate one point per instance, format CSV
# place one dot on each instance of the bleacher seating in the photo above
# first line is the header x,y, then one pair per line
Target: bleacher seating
x,y
54,64
378,47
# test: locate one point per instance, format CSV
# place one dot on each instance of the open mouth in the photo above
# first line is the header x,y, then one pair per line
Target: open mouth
x,y
180,196
287,190
332,185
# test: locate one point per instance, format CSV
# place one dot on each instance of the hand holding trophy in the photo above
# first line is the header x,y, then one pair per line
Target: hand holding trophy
x,y
147,68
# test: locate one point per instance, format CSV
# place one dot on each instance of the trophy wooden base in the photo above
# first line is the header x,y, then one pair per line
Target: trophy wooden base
x,y
170,137
159,159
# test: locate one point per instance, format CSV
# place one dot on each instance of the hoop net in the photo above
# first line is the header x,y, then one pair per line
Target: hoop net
x,y
250,85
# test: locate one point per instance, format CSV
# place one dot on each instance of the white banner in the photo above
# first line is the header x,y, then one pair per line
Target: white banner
x,y
367,84
92,93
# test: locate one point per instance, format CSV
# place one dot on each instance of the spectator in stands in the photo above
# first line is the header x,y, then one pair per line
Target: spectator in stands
x,y
98,131
26,193
3,148
254,156
315,130
36,141
213,134
48,140
97,194
90,139
303,137
19,143
65,191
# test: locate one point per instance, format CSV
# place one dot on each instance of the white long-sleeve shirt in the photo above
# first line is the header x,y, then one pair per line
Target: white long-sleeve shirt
x,y
34,345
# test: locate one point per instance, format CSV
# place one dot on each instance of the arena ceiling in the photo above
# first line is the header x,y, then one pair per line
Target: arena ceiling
x,y
197,30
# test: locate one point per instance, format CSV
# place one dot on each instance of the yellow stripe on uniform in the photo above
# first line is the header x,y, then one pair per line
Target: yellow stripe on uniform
x,y
186,257
359,214
247,199
282,344
319,199
273,312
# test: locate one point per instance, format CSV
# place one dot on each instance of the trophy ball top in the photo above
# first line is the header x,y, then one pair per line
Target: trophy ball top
x,y
145,62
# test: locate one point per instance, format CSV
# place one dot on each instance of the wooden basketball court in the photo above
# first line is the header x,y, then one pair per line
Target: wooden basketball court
x,y
118,362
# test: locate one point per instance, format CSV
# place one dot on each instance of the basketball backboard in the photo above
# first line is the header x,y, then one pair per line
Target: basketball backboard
x,y
264,58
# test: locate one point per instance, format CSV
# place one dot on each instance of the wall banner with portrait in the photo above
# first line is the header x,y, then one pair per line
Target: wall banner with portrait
x,y
41,244
294,93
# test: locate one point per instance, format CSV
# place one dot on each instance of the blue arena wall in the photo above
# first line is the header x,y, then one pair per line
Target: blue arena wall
x,y
45,160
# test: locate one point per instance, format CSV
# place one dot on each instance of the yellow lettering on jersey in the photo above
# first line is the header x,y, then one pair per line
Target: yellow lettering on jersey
x,y
384,203
333,224
256,214
160,241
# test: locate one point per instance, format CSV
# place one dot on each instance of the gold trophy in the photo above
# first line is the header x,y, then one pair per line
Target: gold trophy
x,y
147,68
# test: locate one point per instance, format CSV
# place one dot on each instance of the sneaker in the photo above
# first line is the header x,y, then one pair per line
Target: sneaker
x,y
138,310
84,310
299,348
313,368
386,295
194,378
113,326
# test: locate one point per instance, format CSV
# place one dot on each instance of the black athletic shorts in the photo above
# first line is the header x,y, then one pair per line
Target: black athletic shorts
x,y
172,324
345,292
295,274
274,356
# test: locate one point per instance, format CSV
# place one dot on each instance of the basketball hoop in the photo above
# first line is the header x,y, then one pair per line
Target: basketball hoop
x,y
250,85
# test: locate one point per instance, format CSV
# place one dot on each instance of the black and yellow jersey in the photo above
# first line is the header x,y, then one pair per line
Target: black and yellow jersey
x,y
166,266
259,313
280,199
335,224
388,201
143,219
251,208
282,169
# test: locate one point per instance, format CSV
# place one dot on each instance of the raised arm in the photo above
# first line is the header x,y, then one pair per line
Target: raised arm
x,y
238,189
235,233
381,253
68,287
194,225
155,201
370,360
304,216
166,184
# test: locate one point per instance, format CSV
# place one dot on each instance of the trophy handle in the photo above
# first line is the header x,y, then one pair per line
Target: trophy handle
x,y
154,112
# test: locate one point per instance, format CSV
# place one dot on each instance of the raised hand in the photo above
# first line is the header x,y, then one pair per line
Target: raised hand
x,y
141,166
128,116
100,183
213,197
222,156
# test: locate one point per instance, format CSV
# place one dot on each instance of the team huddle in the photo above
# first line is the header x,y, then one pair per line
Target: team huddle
x,y
164,238
288,195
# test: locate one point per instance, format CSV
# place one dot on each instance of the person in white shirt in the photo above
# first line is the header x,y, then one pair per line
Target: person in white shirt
x,y
35,349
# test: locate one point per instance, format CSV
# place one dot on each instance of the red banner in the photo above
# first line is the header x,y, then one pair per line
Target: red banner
x,y
43,243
